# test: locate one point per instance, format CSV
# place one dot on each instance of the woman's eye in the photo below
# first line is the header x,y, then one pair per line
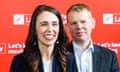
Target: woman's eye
x,y
54,24
43,24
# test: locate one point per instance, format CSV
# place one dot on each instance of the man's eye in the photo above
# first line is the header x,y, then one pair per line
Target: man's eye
x,y
83,21
73,23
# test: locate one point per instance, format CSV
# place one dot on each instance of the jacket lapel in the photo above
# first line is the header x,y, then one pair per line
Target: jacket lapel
x,y
56,66
41,66
96,59
71,62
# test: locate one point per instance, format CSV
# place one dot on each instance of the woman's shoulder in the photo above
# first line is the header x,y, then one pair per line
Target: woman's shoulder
x,y
18,58
19,64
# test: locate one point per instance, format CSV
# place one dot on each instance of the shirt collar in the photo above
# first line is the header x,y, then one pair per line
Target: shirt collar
x,y
76,47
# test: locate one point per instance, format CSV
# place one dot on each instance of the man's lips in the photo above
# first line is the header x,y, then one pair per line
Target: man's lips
x,y
79,33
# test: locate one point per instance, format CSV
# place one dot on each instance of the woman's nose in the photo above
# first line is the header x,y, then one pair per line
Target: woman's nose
x,y
49,28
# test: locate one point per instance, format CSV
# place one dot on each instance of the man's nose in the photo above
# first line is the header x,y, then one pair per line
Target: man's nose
x,y
79,25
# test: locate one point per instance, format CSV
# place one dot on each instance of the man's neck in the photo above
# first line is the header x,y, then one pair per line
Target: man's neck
x,y
83,44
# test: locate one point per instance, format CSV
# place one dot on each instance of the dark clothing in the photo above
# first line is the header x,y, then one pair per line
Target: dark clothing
x,y
19,64
104,60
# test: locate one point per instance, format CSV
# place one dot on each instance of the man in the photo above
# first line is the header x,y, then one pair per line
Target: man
x,y
84,56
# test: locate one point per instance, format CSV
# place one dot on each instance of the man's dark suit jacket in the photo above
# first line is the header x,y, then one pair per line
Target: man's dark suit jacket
x,y
19,65
104,60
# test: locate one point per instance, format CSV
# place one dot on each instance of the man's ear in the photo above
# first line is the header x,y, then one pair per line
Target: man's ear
x,y
93,23
67,26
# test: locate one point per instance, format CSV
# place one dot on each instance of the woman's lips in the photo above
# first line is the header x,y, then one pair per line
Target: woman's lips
x,y
49,36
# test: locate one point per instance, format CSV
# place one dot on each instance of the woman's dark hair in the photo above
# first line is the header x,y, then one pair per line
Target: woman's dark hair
x,y
32,52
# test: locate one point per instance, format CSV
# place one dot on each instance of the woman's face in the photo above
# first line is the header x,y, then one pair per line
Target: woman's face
x,y
47,28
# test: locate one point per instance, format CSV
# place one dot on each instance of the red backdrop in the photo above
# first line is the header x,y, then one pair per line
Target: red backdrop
x,y
15,17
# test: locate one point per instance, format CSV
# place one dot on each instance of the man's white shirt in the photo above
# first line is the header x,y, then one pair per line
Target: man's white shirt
x,y
83,59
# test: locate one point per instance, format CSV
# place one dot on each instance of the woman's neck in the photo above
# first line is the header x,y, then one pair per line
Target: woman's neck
x,y
46,51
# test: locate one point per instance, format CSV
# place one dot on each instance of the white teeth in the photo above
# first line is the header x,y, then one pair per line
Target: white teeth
x,y
49,36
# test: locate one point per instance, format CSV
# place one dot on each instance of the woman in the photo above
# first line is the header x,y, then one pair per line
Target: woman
x,y
44,50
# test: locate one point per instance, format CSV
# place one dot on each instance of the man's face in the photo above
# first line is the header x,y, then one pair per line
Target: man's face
x,y
80,24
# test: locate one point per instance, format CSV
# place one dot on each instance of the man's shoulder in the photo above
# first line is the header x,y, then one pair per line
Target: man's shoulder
x,y
104,49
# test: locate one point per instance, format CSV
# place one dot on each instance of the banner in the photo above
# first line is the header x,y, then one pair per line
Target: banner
x,y
15,16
